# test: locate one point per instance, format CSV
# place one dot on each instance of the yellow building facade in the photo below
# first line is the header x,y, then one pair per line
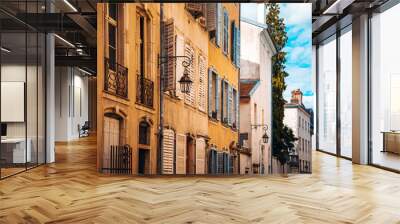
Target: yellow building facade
x,y
185,132
127,84
224,67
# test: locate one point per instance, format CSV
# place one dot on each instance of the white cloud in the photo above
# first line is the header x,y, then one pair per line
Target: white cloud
x,y
296,13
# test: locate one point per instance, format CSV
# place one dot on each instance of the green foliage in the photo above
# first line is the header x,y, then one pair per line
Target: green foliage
x,y
282,136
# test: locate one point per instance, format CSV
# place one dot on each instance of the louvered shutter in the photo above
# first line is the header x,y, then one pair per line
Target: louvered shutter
x,y
210,87
202,84
218,33
190,97
222,95
238,48
237,109
169,78
200,155
218,97
230,104
211,16
180,154
225,41
233,43
168,151
194,8
180,50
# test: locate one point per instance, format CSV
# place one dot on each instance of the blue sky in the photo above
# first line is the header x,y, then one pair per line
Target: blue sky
x,y
297,18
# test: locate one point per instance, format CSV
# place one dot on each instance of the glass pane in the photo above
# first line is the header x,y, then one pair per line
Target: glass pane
x,y
327,96
13,86
41,98
385,84
31,98
346,94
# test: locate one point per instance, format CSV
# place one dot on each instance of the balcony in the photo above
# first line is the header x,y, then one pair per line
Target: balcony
x,y
144,91
115,79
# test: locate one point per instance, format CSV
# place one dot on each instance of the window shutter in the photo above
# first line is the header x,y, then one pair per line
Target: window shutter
x,y
238,47
218,97
168,151
233,42
211,16
222,95
230,105
180,154
210,87
200,155
225,41
202,84
180,50
169,77
190,97
219,25
195,9
237,110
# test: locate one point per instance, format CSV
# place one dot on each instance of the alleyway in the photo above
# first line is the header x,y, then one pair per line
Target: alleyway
x,y
71,191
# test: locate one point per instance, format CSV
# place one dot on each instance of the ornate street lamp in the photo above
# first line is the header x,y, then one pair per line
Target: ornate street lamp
x,y
265,136
185,81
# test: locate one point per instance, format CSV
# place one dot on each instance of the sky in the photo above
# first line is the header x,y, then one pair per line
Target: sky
x,y
297,17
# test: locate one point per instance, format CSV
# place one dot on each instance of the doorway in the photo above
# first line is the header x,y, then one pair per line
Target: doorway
x,y
143,161
190,156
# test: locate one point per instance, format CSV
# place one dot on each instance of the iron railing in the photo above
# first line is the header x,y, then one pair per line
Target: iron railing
x,y
116,79
144,91
120,160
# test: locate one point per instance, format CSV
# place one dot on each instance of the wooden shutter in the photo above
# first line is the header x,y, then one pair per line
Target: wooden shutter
x,y
210,96
233,42
180,50
211,16
230,104
237,47
168,151
217,96
226,38
180,154
202,84
237,109
200,155
190,97
218,33
169,77
222,95
196,9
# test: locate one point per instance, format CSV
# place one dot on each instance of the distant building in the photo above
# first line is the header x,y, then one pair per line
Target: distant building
x,y
255,97
300,120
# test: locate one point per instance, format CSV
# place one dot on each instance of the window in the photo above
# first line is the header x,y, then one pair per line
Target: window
x,y
113,11
235,44
115,35
213,95
112,45
141,46
327,95
144,133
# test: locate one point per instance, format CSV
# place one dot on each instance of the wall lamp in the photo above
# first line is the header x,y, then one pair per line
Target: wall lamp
x,y
265,136
185,81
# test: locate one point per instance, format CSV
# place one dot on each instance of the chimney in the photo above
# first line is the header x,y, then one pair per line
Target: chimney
x,y
297,97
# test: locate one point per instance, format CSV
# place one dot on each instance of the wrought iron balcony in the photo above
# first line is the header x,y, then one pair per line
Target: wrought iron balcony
x,y
115,79
144,91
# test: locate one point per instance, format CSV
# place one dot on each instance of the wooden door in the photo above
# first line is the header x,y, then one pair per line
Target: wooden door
x,y
111,137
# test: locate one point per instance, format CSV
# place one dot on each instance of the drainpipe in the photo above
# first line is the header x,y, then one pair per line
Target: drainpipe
x,y
161,118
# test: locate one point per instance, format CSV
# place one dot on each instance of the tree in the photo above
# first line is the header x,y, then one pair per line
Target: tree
x,y
288,140
277,30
